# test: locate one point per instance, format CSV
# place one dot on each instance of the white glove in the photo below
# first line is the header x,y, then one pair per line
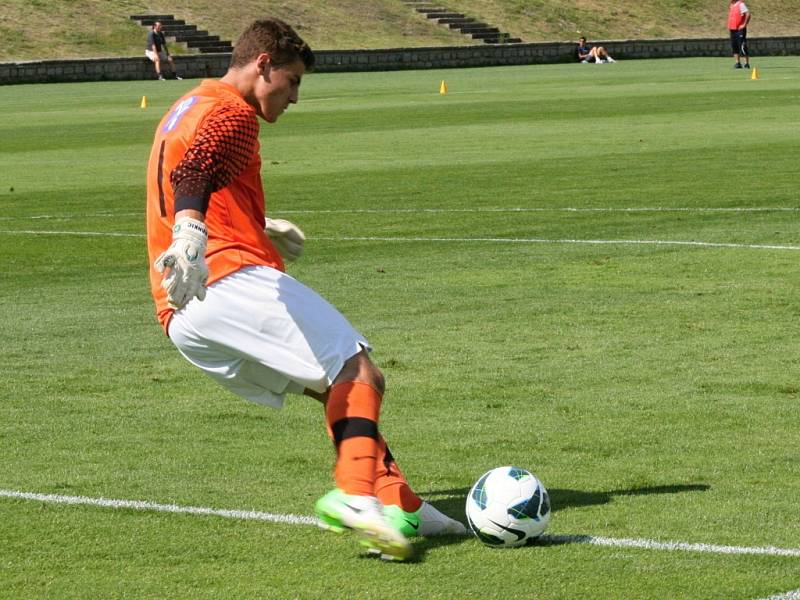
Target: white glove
x,y
286,237
186,260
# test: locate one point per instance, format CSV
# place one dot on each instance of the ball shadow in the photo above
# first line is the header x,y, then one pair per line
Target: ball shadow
x,y
452,503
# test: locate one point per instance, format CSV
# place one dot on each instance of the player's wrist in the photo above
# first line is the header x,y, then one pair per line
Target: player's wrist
x,y
189,229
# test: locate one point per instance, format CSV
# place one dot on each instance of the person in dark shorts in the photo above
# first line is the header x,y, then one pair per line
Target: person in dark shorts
x,y
592,54
738,18
156,50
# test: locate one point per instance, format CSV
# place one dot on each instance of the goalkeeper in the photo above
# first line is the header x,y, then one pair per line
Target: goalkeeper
x,y
223,298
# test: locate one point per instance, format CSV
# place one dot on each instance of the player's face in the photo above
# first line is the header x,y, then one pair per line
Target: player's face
x,y
277,88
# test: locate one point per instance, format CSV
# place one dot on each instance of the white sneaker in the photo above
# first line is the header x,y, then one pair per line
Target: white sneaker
x,y
599,61
363,514
425,521
611,60
433,522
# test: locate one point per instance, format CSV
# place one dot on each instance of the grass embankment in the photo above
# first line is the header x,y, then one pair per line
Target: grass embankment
x,y
38,29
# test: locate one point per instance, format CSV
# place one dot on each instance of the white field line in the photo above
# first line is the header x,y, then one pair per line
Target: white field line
x,y
252,515
452,239
793,595
512,209
559,241
247,515
76,233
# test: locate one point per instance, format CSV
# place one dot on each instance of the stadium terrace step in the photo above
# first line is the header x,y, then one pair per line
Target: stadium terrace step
x,y
199,37
489,35
151,17
467,25
217,50
455,22
444,15
478,28
165,22
205,43
178,31
176,28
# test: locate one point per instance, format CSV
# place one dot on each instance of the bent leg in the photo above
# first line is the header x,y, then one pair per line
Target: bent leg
x,y
351,414
356,394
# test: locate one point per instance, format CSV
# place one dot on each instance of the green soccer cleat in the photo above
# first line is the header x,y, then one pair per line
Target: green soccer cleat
x,y
427,521
338,512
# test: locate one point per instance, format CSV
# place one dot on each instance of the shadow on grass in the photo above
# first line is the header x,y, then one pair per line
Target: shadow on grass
x,y
452,503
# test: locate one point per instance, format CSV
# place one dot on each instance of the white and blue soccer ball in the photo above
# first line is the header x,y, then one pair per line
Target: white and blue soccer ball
x,y
508,507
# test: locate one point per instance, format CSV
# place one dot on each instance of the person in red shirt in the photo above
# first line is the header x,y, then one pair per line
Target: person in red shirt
x,y
222,295
738,18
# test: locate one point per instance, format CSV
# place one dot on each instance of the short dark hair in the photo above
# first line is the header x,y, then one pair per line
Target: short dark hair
x,y
274,37
582,38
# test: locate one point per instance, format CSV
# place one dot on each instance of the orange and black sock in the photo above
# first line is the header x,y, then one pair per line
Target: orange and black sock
x,y
391,486
351,414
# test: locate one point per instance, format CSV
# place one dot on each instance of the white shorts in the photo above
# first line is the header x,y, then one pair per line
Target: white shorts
x,y
261,334
152,55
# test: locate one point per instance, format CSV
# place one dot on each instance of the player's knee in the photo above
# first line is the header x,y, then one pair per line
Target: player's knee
x,y
361,368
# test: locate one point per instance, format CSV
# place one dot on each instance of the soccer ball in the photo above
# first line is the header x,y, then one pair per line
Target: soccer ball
x,y
508,507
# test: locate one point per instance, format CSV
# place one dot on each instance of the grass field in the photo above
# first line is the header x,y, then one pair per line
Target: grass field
x,y
587,271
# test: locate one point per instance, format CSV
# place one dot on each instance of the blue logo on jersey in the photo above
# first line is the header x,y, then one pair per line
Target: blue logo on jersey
x,y
178,112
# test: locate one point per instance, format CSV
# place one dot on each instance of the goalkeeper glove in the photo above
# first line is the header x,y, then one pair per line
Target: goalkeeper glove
x,y
286,237
185,263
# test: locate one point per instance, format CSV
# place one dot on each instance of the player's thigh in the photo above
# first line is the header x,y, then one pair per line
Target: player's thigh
x,y
264,317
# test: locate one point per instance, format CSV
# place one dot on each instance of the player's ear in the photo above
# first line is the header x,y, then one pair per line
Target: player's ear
x,y
263,64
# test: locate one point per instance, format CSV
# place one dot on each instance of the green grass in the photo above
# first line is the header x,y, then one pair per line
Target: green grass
x,y
653,388
52,29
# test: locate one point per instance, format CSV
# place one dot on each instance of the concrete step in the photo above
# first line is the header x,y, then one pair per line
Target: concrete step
x,y
172,29
470,27
216,49
206,43
178,31
452,23
484,31
502,40
466,25
151,17
444,15
197,37
165,22
489,35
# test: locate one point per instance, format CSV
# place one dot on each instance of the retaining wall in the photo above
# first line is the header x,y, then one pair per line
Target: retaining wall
x,y
215,65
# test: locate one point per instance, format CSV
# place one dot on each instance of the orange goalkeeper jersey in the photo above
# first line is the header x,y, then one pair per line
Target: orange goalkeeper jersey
x,y
206,154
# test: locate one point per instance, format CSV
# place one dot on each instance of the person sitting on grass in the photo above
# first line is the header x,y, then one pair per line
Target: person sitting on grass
x,y
592,54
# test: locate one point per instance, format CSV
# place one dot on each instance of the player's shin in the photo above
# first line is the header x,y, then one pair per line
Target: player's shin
x,y
351,413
